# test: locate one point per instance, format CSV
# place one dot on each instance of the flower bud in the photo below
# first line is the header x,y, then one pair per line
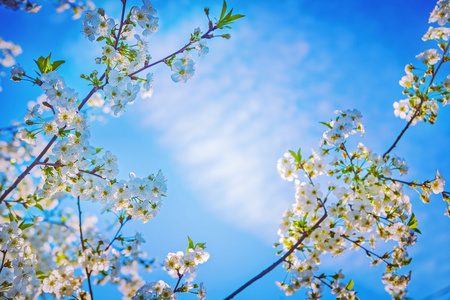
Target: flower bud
x,y
45,103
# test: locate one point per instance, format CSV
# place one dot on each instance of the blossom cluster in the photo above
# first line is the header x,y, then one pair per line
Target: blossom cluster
x,y
178,265
421,86
361,204
75,165
57,256
19,277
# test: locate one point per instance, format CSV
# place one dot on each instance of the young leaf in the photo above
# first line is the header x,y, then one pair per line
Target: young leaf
x,y
349,286
228,15
11,217
24,226
224,10
293,154
40,64
326,124
235,17
191,245
47,62
56,64
201,245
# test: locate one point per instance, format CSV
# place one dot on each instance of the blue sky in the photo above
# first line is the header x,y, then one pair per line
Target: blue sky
x,y
217,138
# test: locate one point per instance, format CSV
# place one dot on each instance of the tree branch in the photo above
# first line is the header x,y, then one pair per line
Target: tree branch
x,y
117,233
279,261
88,273
205,36
3,260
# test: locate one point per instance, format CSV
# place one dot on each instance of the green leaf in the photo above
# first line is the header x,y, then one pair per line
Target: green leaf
x,y
191,245
46,62
224,10
38,206
417,230
407,261
11,217
24,226
326,124
293,154
40,63
201,245
412,219
349,286
235,17
228,15
412,223
56,64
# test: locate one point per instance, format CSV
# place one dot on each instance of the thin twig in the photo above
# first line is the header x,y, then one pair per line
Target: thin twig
x,y
3,260
324,282
205,36
88,273
117,233
368,252
178,282
124,2
28,169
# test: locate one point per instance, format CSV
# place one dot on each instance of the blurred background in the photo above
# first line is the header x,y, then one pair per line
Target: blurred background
x,y
217,138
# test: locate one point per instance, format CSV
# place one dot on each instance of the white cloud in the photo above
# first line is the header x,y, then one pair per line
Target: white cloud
x,y
227,128
252,98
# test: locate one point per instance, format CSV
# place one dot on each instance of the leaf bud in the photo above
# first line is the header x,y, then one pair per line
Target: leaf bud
x,y
207,11
226,36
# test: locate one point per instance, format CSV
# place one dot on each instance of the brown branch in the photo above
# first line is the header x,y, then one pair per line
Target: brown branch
x,y
3,260
88,273
279,261
28,169
205,36
178,282
124,2
122,223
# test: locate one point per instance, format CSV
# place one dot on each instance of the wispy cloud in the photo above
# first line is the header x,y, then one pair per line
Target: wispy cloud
x,y
227,127
252,98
